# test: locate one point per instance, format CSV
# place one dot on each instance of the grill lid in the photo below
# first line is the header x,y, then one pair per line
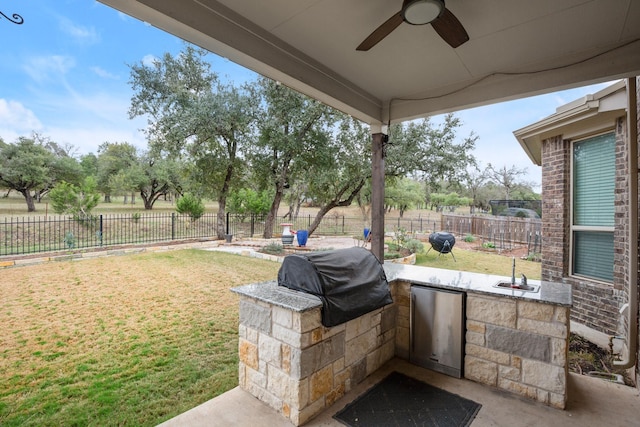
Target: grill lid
x,y
350,282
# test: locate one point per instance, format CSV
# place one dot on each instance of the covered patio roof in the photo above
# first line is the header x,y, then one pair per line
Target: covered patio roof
x,y
515,48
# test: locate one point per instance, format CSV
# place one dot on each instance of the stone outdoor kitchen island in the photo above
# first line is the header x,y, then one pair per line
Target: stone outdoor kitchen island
x,y
515,341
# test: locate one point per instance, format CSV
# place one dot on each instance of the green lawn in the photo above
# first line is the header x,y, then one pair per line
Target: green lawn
x,y
480,262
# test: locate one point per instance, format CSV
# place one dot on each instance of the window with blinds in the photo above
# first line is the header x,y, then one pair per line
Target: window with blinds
x,y
593,206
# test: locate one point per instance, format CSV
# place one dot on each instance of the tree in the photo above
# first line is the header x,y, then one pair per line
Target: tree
x,y
403,194
474,180
113,158
336,170
291,126
436,155
30,168
193,116
151,177
507,178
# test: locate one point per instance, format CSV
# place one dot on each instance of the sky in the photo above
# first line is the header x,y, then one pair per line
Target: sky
x,y
64,74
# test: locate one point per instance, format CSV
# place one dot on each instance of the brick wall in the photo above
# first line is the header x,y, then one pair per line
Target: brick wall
x,y
556,156
595,304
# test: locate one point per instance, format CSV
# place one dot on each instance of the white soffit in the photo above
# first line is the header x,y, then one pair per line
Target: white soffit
x,y
516,48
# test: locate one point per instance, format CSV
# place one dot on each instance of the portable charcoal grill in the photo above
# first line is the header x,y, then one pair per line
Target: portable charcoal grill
x,y
442,242
349,282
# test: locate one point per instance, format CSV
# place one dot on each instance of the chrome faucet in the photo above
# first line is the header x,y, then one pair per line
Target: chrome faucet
x,y
523,281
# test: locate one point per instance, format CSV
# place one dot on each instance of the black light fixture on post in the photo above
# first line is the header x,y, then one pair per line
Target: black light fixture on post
x,y
421,12
17,19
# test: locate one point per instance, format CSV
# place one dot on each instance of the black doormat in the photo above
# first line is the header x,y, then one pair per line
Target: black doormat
x,y
399,400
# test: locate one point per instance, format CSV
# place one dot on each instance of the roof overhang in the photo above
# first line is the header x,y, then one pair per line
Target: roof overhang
x,y
583,117
516,49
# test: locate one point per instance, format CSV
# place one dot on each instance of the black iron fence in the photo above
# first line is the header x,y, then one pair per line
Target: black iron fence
x,y
59,233
243,226
27,235
36,234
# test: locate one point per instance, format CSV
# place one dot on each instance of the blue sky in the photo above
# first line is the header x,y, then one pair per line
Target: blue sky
x,y
64,74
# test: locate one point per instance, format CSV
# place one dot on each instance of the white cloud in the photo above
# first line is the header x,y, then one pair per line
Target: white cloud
x,y
16,120
88,137
45,68
149,60
101,72
79,33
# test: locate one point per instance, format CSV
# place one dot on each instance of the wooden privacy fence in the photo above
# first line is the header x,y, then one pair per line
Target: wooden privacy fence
x,y
501,231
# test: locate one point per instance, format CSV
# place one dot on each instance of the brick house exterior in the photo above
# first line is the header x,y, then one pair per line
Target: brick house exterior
x,y
597,304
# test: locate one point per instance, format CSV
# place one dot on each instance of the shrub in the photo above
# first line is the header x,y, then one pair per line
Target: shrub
x,y
414,246
191,205
67,198
273,249
489,245
469,238
247,201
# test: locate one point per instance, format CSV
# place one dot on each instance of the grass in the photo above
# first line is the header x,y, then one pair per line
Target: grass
x,y
131,340
136,339
480,262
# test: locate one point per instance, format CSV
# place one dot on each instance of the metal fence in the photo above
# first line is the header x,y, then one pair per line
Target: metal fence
x,y
58,233
36,234
502,232
243,226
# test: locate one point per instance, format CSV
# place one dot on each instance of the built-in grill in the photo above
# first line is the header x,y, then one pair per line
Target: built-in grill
x,y
350,282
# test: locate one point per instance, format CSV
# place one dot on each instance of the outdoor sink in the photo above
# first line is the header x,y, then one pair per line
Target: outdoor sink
x,y
517,287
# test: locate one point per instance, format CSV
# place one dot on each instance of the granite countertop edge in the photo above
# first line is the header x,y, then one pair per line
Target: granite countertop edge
x,y
552,293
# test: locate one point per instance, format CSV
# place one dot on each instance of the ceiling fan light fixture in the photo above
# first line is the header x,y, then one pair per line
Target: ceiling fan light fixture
x,y
421,12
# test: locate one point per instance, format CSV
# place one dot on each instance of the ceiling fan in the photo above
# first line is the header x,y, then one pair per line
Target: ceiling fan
x,y
421,12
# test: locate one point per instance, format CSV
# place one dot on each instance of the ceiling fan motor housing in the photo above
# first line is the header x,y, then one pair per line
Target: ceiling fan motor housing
x,y
421,12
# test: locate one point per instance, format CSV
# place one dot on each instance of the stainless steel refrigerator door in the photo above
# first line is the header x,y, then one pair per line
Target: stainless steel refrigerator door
x,y
437,329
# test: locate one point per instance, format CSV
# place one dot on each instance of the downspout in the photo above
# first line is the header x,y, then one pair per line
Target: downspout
x,y
632,308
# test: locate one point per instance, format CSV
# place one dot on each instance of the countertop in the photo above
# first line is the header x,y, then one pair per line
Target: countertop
x,y
549,293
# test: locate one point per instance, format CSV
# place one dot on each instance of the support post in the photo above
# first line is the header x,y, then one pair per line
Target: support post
x,y
377,194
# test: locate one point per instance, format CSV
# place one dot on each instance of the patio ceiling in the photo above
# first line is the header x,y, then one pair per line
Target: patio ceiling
x,y
516,48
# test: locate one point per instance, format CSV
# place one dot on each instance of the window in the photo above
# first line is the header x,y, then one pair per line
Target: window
x,y
593,207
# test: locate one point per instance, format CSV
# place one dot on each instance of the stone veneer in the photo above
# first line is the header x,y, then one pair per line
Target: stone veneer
x,y
518,346
295,365
515,345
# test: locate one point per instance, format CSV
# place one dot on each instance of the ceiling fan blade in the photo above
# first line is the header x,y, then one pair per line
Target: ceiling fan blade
x,y
450,29
381,32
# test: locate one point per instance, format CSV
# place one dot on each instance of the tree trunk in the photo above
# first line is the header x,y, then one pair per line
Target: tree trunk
x,y
224,191
273,213
336,202
31,205
222,217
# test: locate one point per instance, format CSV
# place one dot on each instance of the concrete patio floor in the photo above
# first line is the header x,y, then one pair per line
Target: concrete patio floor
x,y
592,402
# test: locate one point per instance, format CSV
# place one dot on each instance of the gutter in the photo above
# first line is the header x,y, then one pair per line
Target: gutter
x,y
632,307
